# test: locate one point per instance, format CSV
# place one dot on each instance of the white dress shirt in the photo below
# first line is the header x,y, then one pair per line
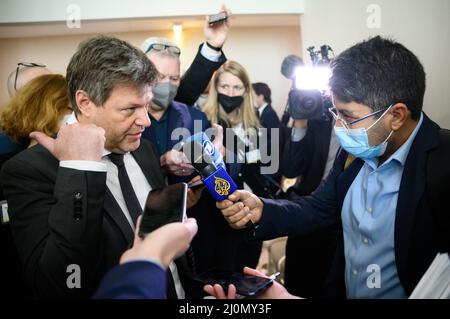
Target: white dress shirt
x,y
140,186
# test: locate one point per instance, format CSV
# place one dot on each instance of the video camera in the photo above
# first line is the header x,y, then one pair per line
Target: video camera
x,y
308,96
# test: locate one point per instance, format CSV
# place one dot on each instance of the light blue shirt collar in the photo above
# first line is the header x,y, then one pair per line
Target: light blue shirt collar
x,y
401,154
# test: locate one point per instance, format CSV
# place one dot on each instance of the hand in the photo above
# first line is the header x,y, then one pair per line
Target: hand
x,y
217,33
83,142
218,138
163,244
240,208
300,123
275,291
287,183
176,163
193,195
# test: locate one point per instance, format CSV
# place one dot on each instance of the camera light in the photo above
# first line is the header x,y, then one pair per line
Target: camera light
x,y
312,78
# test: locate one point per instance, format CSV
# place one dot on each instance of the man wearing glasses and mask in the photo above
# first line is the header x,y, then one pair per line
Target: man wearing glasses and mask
x,y
388,186
171,109
25,72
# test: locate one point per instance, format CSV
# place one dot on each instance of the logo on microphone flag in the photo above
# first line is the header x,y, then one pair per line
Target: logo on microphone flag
x,y
221,186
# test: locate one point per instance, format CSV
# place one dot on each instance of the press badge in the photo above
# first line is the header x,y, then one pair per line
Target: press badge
x,y
4,215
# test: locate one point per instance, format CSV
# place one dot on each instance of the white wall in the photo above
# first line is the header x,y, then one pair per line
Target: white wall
x,y
422,26
57,10
260,50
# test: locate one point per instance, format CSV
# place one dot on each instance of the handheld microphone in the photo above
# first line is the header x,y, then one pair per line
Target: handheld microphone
x,y
208,146
215,178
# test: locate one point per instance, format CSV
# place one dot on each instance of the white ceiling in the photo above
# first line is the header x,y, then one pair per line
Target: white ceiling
x,y
20,30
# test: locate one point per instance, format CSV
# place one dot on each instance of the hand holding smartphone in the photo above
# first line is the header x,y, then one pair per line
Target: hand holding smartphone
x,y
246,285
196,185
163,206
216,18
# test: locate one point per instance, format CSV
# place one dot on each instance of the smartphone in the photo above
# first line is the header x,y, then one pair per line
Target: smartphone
x,y
163,206
215,18
248,286
196,185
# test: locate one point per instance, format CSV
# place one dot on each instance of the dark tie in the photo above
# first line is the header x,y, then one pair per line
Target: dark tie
x,y
134,208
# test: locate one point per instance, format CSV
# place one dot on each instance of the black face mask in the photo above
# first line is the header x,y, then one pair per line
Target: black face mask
x,y
229,103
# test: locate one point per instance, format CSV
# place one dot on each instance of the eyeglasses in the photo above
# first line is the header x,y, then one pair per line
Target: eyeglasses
x,y
161,47
336,116
26,64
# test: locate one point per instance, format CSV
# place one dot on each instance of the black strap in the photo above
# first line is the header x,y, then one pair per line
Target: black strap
x,y
438,177
437,166
213,47
131,200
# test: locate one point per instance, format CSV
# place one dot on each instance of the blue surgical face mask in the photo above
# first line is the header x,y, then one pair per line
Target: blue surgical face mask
x,y
356,141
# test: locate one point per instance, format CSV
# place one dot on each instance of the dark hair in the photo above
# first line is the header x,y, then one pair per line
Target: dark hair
x,y
262,88
377,73
101,63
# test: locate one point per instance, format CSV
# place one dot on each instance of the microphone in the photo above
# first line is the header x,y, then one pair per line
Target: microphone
x,y
214,177
208,146
289,64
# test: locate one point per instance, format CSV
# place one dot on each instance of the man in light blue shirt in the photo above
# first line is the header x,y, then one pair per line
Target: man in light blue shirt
x,y
381,187
368,218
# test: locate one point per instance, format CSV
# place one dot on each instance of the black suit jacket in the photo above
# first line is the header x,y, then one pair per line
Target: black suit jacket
x,y
62,217
269,118
422,226
196,79
308,157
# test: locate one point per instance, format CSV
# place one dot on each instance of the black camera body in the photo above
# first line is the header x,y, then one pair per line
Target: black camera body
x,y
310,103
305,104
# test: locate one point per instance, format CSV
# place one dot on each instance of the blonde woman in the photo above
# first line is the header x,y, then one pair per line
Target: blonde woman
x,y
41,105
230,105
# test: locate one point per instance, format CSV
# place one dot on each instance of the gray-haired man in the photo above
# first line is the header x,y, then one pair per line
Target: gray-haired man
x,y
72,211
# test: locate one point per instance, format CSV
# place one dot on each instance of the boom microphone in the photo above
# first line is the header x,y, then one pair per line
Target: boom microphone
x,y
290,64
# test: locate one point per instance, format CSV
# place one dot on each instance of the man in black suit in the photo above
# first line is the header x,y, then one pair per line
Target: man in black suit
x,y
388,186
262,101
141,273
269,120
267,116
74,200
309,155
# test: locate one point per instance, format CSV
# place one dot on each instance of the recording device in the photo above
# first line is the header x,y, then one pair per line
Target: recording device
x,y
248,286
195,185
289,65
209,147
163,206
215,18
308,98
214,177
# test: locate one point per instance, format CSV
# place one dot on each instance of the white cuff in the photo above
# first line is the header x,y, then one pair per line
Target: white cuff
x,y
298,133
210,54
84,165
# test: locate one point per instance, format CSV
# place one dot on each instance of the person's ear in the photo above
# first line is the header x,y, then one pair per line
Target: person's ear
x,y
400,114
84,103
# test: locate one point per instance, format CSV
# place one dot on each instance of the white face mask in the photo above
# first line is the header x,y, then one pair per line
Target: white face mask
x,y
201,101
